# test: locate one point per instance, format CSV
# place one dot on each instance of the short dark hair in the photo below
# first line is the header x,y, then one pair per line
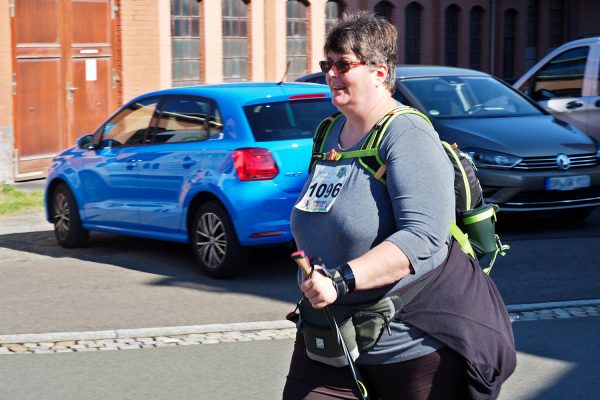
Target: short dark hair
x,y
371,38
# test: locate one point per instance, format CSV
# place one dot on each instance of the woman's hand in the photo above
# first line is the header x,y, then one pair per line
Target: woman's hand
x,y
319,290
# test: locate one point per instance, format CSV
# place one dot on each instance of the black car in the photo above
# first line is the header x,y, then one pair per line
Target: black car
x,y
527,160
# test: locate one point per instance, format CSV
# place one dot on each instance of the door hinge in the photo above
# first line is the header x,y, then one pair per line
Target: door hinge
x,y
14,83
114,9
11,8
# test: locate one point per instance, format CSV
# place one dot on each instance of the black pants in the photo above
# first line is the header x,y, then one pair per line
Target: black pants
x,y
437,376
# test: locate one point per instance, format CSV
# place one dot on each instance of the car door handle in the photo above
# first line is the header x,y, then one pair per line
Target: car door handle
x,y
573,104
131,164
188,162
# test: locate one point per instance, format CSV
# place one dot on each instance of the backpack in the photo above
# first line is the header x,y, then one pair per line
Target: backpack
x,y
474,229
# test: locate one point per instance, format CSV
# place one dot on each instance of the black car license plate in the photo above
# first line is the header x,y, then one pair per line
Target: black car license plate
x,y
568,182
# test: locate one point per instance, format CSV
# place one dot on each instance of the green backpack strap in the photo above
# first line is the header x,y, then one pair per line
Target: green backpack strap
x,y
370,160
321,135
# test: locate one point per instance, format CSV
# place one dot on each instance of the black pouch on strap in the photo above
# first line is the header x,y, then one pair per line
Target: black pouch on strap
x,y
371,321
321,341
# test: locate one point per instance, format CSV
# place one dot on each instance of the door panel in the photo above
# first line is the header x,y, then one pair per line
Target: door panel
x,y
37,21
38,106
91,57
38,68
91,98
91,22
59,95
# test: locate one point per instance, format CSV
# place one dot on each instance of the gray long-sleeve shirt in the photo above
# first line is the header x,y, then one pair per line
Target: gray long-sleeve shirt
x,y
413,211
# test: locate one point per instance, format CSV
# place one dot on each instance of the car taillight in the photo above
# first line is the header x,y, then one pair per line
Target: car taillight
x,y
254,164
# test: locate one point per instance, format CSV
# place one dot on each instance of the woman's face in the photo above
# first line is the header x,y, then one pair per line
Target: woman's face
x,y
353,87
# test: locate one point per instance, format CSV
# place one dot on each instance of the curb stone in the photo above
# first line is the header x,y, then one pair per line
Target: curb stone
x,y
131,339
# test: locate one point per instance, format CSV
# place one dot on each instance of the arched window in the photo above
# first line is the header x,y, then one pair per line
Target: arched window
x,y
412,33
532,33
296,38
185,42
508,50
475,37
235,40
333,10
555,20
384,9
451,30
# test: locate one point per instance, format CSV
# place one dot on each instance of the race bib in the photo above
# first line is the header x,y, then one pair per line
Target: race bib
x,y
324,187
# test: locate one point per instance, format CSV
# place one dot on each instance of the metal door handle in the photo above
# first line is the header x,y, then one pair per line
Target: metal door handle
x,y
70,87
188,162
131,164
573,104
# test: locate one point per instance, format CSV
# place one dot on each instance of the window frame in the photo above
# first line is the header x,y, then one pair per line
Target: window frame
x,y
293,75
534,76
214,109
236,20
451,35
99,132
186,59
411,57
476,41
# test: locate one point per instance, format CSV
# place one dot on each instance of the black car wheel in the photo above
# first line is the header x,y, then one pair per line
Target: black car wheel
x,y
67,222
215,243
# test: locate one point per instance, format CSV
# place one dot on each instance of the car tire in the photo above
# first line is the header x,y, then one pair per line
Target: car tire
x,y
68,230
573,215
215,242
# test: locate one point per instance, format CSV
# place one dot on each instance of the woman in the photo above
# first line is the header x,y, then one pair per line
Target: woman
x,y
374,238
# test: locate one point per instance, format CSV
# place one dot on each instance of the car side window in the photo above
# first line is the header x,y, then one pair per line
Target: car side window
x,y
130,126
561,77
186,119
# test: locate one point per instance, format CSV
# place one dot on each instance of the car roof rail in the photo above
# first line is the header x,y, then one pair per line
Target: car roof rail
x,y
588,35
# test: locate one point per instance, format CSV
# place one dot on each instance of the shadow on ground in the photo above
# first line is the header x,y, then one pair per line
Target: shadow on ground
x,y
269,273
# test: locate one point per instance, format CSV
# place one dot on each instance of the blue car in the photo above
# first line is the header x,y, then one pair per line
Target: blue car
x,y
216,166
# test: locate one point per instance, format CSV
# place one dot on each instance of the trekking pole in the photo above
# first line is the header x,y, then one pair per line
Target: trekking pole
x,y
307,269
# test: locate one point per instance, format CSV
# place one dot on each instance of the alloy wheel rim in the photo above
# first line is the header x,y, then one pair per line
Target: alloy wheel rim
x,y
61,216
211,240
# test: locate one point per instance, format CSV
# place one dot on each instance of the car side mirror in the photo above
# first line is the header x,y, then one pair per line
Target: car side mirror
x,y
86,142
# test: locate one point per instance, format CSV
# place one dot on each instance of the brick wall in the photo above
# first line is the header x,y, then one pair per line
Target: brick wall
x,y
141,64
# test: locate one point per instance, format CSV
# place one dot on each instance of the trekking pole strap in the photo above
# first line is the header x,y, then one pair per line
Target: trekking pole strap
x,y
360,385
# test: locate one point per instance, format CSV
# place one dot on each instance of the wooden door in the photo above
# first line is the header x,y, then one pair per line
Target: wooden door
x,y
63,68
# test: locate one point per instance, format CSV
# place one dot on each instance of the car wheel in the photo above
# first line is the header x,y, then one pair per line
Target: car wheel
x,y
215,243
573,215
67,223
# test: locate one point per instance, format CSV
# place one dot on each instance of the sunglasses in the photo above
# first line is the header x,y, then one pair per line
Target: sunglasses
x,y
342,66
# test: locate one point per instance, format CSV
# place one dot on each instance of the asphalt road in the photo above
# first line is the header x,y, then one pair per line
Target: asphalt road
x,y
120,282
557,360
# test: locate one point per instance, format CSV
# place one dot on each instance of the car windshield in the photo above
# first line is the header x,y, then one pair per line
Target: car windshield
x,y
286,120
467,97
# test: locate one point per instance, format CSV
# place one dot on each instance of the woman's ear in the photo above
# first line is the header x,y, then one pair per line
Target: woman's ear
x,y
381,73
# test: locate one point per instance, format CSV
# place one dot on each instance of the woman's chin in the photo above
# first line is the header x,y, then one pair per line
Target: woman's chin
x,y
340,100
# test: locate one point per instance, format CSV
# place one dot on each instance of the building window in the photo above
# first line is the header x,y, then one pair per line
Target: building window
x,y
475,37
235,40
555,20
451,51
508,51
532,33
333,10
185,42
384,9
412,33
296,39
